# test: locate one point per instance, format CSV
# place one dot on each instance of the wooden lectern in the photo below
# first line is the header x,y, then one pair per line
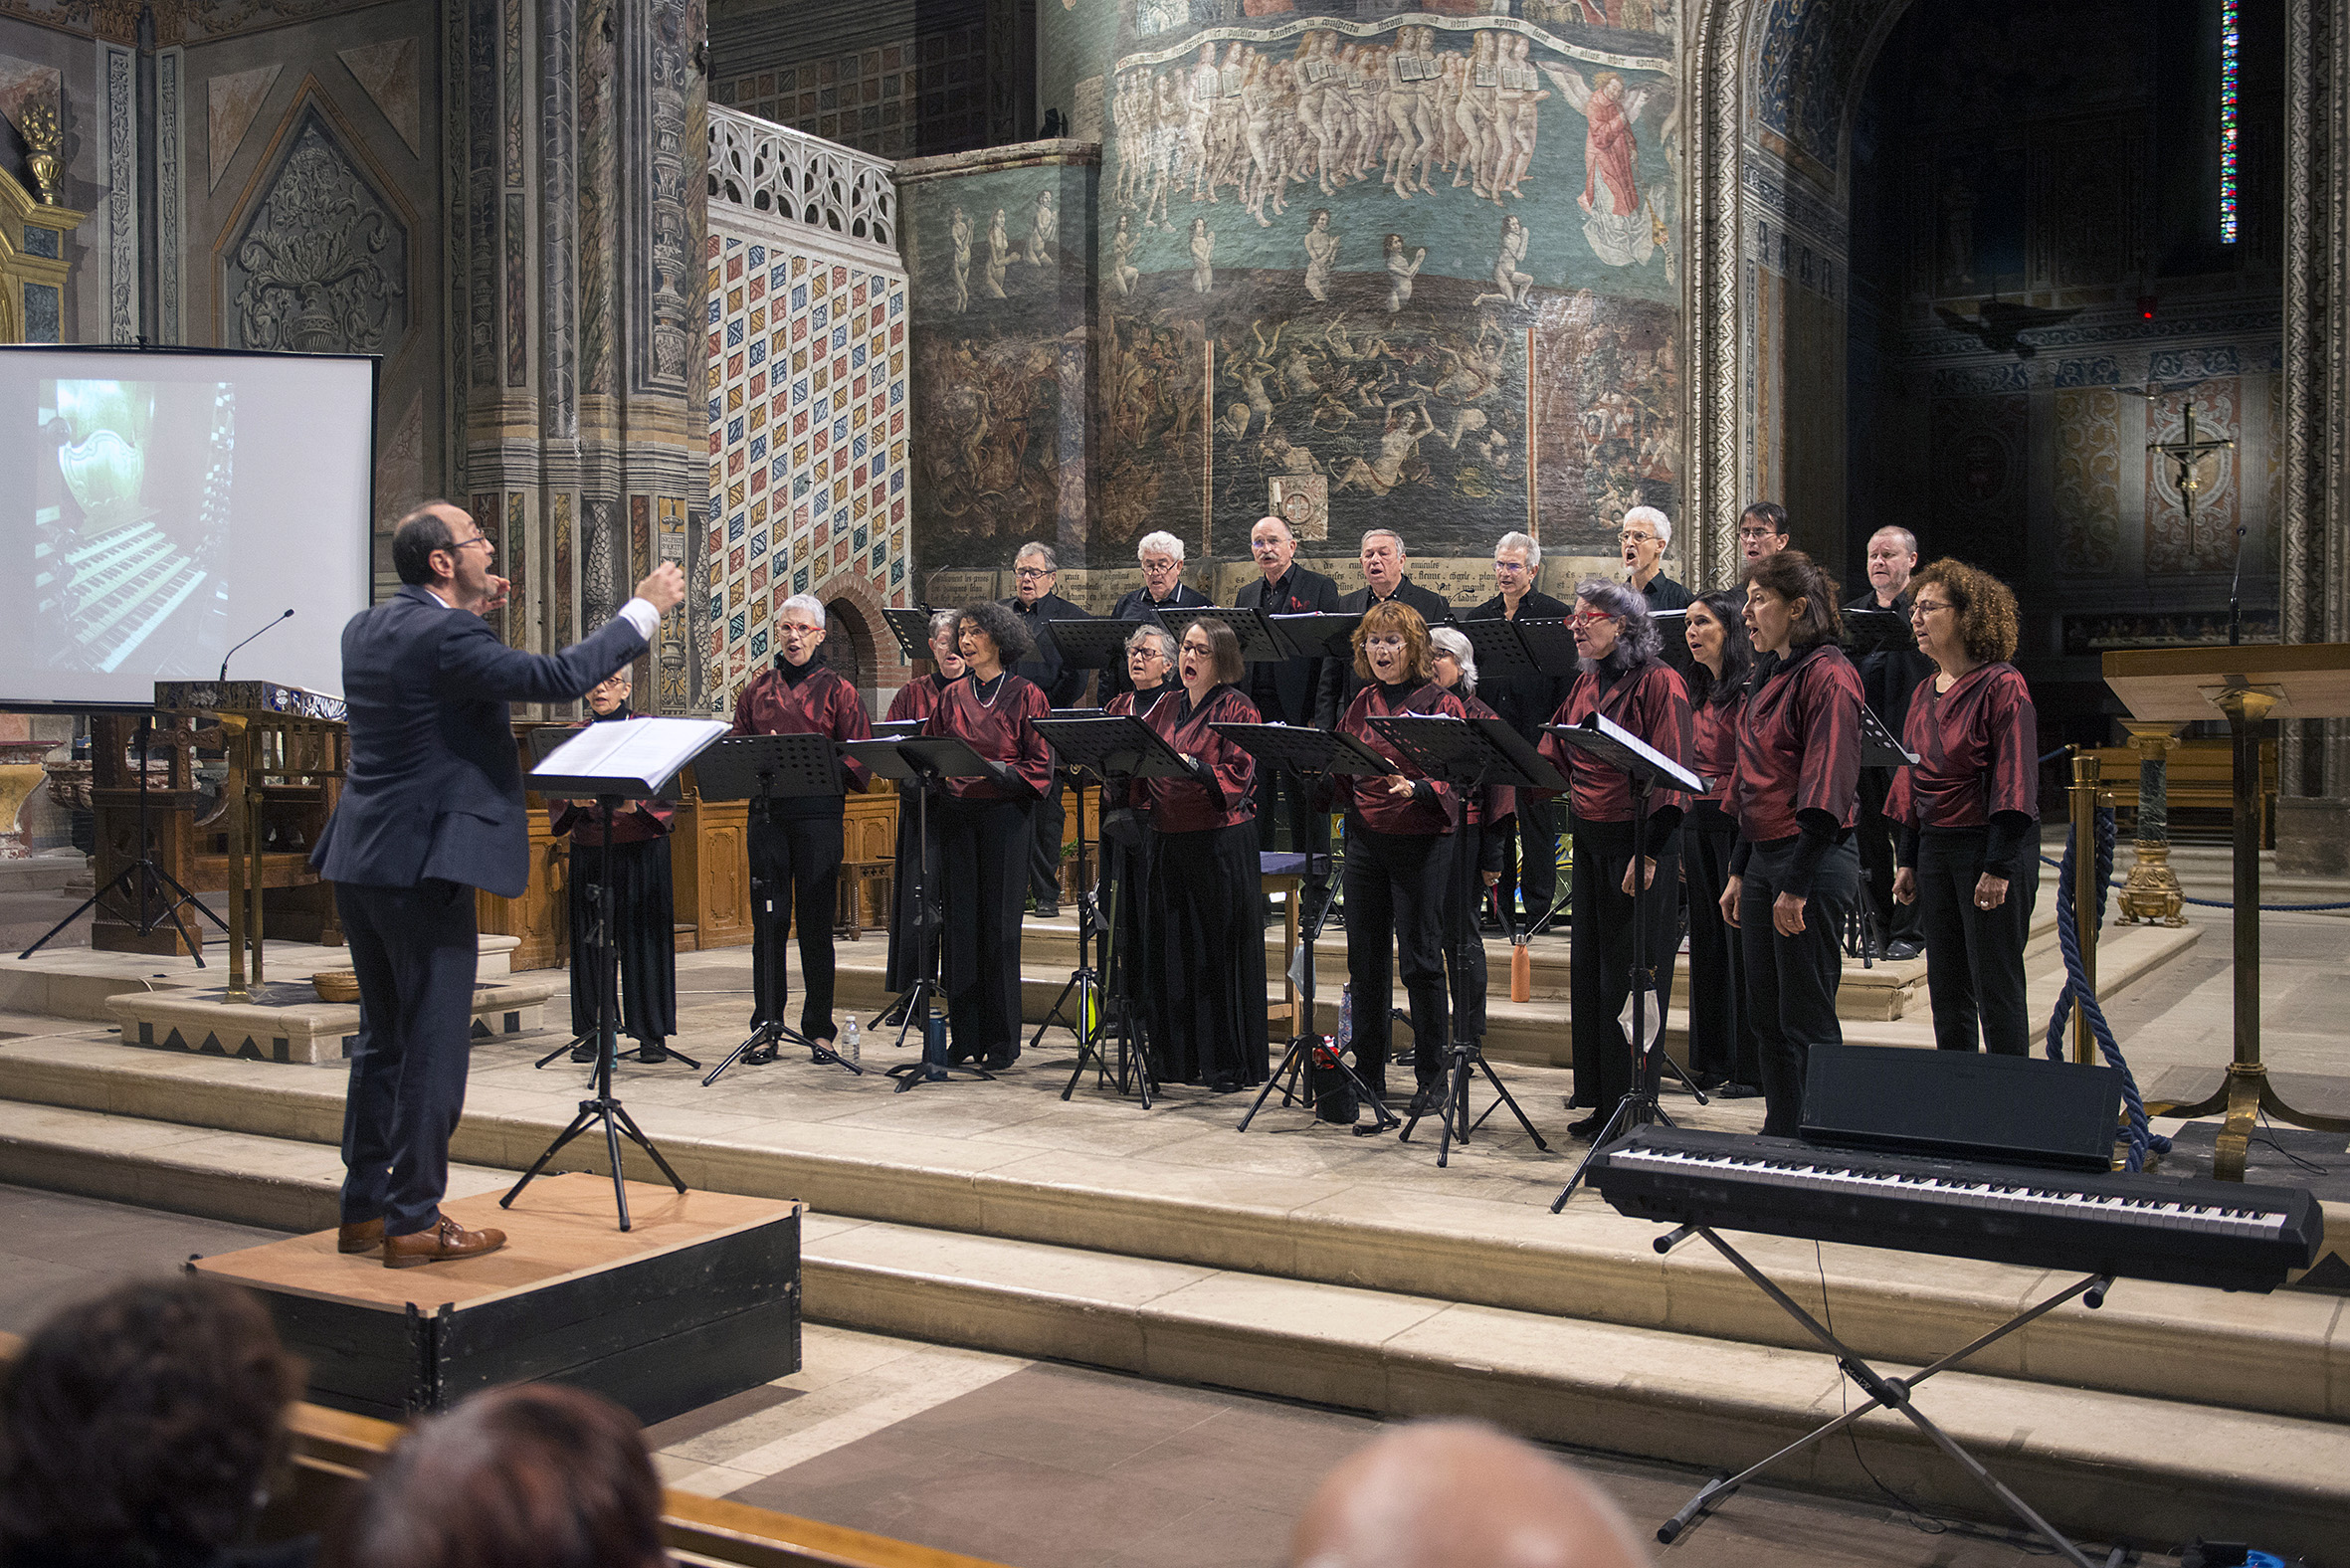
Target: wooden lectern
x,y
2251,685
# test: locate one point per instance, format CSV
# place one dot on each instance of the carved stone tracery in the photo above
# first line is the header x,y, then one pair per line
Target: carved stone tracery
x,y
321,265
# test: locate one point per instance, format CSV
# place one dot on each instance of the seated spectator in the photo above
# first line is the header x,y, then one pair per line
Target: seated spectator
x,y
537,1476
145,1427
1459,1494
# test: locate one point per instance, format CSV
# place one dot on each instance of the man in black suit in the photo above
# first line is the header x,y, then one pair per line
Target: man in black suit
x,y
1163,593
431,810
1284,691
1529,859
1383,579
1034,571
1888,676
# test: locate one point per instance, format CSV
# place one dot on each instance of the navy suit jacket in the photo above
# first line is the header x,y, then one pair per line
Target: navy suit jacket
x,y
434,789
1285,692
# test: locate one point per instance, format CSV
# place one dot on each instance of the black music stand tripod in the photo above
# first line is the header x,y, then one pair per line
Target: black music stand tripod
x,y
1466,756
1100,747
1313,754
1608,744
761,769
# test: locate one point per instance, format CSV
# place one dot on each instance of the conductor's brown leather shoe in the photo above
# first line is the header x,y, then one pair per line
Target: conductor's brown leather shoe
x,y
442,1243
365,1236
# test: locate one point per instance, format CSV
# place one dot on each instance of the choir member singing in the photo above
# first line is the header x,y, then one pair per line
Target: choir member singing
x,y
1481,849
1209,950
915,702
1619,678
644,918
1529,867
1035,607
1161,599
1285,692
1722,1056
1125,829
985,831
1399,835
795,840
1888,676
1967,811
1795,873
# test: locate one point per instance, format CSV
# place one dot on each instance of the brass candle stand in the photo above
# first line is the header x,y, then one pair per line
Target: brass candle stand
x,y
2152,895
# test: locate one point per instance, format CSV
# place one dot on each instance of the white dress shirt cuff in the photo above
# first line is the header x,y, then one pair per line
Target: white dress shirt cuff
x,y
640,614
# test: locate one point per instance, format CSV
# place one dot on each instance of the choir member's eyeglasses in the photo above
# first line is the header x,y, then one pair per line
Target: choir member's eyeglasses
x,y
1644,537
1922,607
1032,571
1589,617
1201,649
1760,533
1511,567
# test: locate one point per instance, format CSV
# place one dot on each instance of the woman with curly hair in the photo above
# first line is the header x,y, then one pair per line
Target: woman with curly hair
x,y
984,831
1621,679
1968,809
1399,840
1795,795
1721,1043
145,1427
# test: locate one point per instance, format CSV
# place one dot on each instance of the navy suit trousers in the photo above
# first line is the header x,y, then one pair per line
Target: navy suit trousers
x,y
416,951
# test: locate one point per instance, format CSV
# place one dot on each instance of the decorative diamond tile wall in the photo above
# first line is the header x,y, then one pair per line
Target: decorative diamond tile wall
x,y
806,437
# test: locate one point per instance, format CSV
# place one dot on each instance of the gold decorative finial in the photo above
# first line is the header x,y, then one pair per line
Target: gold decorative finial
x,y
45,141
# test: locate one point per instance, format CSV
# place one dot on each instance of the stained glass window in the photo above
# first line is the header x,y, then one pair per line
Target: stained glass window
x,y
2229,35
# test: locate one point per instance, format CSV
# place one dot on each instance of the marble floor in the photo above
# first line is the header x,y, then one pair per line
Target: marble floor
x,y
1033,1464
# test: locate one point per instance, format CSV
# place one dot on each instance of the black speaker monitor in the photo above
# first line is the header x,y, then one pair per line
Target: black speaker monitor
x,y
2021,1110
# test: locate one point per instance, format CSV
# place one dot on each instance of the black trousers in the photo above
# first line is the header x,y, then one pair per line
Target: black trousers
x,y
1397,885
1876,832
1791,980
1044,871
1599,960
416,950
1529,858
643,930
1283,803
1974,957
983,845
1721,1041
1206,948
794,875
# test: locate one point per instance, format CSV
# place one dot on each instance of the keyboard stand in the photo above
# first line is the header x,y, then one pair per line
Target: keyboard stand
x,y
1884,1393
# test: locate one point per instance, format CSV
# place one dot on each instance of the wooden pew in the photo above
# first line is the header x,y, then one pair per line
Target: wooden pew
x,y
2201,777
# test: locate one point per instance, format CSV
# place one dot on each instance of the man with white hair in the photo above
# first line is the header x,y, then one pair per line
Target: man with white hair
x,y
1034,569
1284,692
1529,856
1382,561
1163,592
1888,678
1645,534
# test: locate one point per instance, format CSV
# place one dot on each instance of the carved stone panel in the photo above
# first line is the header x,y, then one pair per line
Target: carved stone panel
x,y
320,263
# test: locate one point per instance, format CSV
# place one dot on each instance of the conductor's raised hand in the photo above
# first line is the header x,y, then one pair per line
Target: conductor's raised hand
x,y
664,587
500,591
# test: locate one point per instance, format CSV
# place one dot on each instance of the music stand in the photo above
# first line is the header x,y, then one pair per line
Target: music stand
x,y
760,769
1880,749
1311,754
1500,650
912,630
1320,634
1259,643
598,771
1644,767
1102,747
1876,632
1094,643
1466,756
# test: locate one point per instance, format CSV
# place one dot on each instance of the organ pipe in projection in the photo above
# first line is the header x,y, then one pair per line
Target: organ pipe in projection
x,y
1419,269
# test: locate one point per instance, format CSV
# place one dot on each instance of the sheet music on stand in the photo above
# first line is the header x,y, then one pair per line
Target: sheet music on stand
x,y
1103,746
1499,649
917,759
1259,643
544,740
1879,746
912,628
1605,740
1306,750
1461,751
632,761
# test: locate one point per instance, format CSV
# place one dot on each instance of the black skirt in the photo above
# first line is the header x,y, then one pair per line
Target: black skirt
x,y
644,930
1205,980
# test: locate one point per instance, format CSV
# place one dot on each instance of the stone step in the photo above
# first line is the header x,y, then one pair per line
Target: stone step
x,y
75,982
1272,1204
1652,1392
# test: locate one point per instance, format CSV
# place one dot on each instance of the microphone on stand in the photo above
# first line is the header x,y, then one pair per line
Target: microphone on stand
x,y
232,653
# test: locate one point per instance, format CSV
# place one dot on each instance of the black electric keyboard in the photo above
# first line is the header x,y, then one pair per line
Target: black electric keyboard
x,y
2189,1232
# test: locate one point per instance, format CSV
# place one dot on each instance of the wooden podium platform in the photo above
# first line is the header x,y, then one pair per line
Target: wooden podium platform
x,y
702,1300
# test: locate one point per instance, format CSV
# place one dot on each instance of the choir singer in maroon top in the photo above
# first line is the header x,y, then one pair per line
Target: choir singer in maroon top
x,y
1207,949
986,833
795,840
1967,811
1722,1054
908,959
1620,678
1795,795
1399,839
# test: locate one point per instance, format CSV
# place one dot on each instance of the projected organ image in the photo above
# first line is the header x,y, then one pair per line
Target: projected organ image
x,y
132,522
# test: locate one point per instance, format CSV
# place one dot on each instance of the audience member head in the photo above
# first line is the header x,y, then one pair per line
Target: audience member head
x,y
1762,528
1517,560
1720,653
1981,620
1454,661
1892,556
1391,645
1273,545
1790,603
990,638
1161,555
439,546
1459,1494
1612,625
537,1476
144,1426
1033,571
1383,560
1645,534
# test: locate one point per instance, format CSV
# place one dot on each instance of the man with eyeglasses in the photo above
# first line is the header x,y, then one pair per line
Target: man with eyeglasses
x,y
1163,592
1384,579
1645,534
1888,678
1034,571
1529,858
1762,530
432,810
1284,693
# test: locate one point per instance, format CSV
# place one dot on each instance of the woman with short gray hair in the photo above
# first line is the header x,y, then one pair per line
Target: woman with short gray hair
x,y
1621,680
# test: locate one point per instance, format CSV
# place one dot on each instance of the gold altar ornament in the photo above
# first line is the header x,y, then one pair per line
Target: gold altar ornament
x,y
43,142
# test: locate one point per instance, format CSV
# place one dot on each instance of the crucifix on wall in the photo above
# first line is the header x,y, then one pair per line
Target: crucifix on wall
x,y
2186,455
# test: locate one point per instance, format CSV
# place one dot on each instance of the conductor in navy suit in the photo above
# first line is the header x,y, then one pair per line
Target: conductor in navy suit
x,y
431,810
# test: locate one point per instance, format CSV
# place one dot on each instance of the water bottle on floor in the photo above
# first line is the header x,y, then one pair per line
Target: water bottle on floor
x,y
851,1048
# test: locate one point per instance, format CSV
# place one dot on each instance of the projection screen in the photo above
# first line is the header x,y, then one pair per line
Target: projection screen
x,y
170,504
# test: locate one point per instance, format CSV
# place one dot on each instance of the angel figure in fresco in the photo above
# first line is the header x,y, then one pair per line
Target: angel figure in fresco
x,y
960,233
1614,220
